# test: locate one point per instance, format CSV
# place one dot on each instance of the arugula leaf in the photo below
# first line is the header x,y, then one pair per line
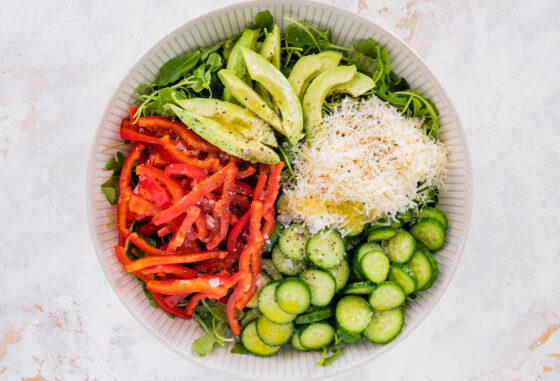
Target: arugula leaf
x,y
204,344
214,62
111,189
239,348
156,106
115,163
367,47
205,51
177,67
217,309
206,317
262,20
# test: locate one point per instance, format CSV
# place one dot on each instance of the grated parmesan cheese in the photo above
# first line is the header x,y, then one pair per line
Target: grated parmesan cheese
x,y
371,159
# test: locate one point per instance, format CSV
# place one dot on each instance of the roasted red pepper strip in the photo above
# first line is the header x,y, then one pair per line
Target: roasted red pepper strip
x,y
124,260
199,191
243,188
142,207
179,237
178,270
273,186
173,186
235,232
132,113
176,311
141,243
124,188
188,170
156,191
201,228
250,170
183,286
194,301
141,263
217,264
236,301
221,208
189,137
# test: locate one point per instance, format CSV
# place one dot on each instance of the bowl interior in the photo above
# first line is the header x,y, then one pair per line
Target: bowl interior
x,y
209,29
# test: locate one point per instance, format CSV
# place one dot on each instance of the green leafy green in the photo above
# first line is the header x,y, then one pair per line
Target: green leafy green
x,y
263,20
115,163
205,51
239,348
211,317
336,348
110,189
177,67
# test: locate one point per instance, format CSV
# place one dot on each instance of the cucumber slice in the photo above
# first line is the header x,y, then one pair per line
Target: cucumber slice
x,y
430,232
436,214
435,267
274,334
401,247
316,335
314,314
353,313
359,288
347,337
293,295
322,285
405,217
269,307
359,253
375,265
405,278
292,241
381,233
325,249
286,265
341,273
384,326
271,270
386,296
262,281
253,343
421,266
296,344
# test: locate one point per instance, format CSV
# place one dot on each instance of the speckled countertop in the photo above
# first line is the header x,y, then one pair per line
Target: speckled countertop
x,y
500,62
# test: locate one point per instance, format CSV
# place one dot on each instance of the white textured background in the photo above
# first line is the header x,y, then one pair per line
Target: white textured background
x,y
500,63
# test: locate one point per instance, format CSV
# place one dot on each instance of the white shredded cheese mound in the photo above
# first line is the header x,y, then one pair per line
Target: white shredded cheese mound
x,y
371,158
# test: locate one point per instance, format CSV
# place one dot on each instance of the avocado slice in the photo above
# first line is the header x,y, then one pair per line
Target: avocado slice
x,y
281,91
315,96
233,116
250,99
235,61
308,67
227,140
358,85
270,48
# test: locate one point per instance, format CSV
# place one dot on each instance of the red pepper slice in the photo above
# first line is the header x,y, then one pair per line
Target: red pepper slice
x,y
188,136
243,188
121,255
156,191
240,201
249,171
196,194
141,263
184,169
132,113
179,237
201,228
221,208
148,229
142,207
183,286
176,311
124,188
173,186
141,243
273,186
235,232
178,270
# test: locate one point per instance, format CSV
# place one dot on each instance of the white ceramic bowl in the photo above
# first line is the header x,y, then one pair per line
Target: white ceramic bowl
x,y
208,29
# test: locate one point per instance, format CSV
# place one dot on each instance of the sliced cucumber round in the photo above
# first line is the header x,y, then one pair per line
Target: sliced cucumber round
x,y
269,307
401,247
430,232
322,285
325,249
271,270
405,278
293,295
317,335
286,265
375,265
274,334
359,288
262,281
341,273
386,296
252,342
385,326
359,253
381,233
296,344
353,313
292,241
314,314
435,213
435,267
421,266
